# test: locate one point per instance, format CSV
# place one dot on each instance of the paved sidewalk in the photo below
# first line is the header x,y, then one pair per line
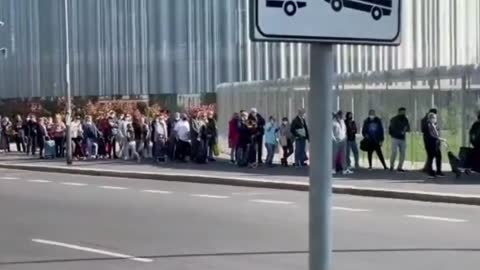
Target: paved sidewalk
x,y
378,183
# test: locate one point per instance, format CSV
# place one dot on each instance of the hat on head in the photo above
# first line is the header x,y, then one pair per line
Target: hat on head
x,y
254,110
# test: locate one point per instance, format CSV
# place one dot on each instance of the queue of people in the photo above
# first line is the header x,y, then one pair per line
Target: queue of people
x,y
165,137
182,137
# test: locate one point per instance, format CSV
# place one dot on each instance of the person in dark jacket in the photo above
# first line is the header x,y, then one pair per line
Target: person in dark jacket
x,y
31,133
42,136
299,129
433,144
425,132
20,130
258,137
212,135
399,127
352,146
475,141
374,135
244,140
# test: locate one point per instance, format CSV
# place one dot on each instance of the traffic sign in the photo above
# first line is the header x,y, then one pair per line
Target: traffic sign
x,y
330,21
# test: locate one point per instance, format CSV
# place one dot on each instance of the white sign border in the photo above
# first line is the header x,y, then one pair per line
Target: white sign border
x,y
257,35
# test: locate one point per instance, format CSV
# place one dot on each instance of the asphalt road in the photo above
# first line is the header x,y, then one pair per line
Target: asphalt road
x,y
53,221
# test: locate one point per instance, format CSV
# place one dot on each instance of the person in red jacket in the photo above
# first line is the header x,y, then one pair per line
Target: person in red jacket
x,y
233,136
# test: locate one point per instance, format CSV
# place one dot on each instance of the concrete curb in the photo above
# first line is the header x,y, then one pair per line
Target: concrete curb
x,y
259,183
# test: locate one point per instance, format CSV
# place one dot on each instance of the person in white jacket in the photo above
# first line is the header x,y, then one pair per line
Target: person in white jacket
x,y
182,131
339,137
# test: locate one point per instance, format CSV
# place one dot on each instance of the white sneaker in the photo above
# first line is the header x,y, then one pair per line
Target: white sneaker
x,y
334,172
347,172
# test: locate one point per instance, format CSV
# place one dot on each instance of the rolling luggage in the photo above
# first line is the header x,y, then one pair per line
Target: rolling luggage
x,y
50,149
461,164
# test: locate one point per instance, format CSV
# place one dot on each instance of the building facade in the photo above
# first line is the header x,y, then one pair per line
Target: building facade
x,y
149,47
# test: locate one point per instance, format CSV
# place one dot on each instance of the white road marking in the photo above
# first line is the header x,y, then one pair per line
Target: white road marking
x,y
92,250
9,178
350,209
156,191
271,202
40,181
454,220
249,193
113,188
74,184
209,196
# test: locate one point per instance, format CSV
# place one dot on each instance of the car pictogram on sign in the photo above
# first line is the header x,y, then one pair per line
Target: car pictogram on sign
x,y
290,7
377,8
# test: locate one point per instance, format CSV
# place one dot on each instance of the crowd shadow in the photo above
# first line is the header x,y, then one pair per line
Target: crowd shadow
x,y
223,167
239,254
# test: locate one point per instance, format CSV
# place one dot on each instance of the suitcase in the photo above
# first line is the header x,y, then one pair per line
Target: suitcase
x,y
459,164
50,149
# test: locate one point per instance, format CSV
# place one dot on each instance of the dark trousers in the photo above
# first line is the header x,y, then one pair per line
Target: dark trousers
x,y
287,150
20,141
41,146
259,148
377,149
59,146
434,152
183,149
32,145
78,152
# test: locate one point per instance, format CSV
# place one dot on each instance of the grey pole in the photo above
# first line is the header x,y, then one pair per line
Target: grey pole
x,y
320,122
68,87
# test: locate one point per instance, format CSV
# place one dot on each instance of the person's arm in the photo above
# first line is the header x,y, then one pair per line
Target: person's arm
x,y
408,127
364,129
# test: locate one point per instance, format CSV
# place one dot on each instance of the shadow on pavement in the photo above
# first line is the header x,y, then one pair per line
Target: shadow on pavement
x,y
236,254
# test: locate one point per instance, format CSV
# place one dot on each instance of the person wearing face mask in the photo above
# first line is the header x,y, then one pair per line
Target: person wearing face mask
x,y
182,132
399,127
433,145
90,133
172,138
374,136
233,136
339,132
271,139
425,132
352,146
244,140
299,129
286,140
159,138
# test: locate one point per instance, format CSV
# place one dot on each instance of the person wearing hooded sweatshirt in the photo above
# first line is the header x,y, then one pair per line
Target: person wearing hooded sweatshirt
x,y
374,135
399,127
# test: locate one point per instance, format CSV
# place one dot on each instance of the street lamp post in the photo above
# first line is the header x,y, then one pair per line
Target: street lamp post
x,y
68,88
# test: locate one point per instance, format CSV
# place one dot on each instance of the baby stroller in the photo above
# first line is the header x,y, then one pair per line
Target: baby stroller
x,y
463,163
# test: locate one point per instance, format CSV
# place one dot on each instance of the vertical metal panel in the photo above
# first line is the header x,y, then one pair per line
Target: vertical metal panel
x,y
137,47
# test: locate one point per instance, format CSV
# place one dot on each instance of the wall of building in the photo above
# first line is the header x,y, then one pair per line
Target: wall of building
x,y
140,47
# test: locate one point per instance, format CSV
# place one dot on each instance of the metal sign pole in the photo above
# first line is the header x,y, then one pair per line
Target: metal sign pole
x,y
320,122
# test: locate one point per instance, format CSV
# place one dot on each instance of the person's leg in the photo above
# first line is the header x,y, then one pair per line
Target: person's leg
x,y
348,153
370,158
356,154
298,153
380,156
17,142
429,162
259,149
343,155
34,145
403,152
335,152
438,160
22,143
395,146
